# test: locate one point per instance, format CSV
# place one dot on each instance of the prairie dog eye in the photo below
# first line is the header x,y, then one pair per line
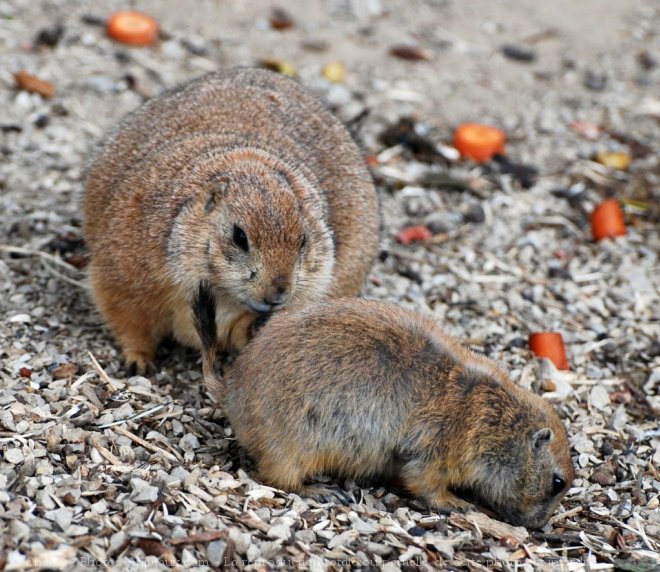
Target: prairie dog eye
x,y
240,238
558,484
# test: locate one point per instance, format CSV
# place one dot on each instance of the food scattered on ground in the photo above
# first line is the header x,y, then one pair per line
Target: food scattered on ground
x,y
334,72
607,220
615,160
549,345
479,142
413,234
135,28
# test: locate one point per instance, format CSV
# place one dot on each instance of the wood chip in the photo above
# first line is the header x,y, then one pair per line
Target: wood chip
x,y
33,84
488,526
410,52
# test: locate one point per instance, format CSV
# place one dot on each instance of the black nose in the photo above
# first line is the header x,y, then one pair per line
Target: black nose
x,y
278,291
275,300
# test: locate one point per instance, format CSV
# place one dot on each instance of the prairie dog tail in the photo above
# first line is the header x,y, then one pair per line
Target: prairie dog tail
x,y
203,309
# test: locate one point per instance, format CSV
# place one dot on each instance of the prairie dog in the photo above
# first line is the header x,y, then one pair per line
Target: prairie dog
x,y
240,178
359,388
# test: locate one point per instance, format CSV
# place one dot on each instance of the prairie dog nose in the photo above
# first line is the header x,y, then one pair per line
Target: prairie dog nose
x,y
279,291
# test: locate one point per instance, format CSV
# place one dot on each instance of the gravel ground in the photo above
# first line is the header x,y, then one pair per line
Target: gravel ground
x,y
102,470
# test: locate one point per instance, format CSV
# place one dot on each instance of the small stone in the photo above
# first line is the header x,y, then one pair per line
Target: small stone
x,y
143,492
241,540
65,371
61,516
604,475
188,559
316,564
99,507
279,531
14,456
519,53
195,45
7,420
215,552
595,81
189,442
345,537
599,397
180,474
361,526
117,541
177,427
18,530
474,213
42,120
338,95
411,553
280,19
49,36
100,83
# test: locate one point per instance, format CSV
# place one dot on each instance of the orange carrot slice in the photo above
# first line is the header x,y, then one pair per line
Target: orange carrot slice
x,y
549,345
413,234
607,220
479,142
133,28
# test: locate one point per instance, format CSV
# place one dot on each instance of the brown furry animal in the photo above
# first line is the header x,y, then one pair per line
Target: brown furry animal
x,y
360,388
241,178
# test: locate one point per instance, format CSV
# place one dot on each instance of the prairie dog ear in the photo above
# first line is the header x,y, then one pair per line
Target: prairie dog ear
x,y
542,438
217,192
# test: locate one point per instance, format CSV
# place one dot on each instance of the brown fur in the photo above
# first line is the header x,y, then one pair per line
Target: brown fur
x,y
360,388
246,148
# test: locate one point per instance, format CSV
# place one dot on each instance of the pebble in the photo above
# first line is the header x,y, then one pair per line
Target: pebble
x,y
189,442
215,552
519,53
338,95
14,456
595,81
143,492
100,83
61,516
281,531
474,213
599,397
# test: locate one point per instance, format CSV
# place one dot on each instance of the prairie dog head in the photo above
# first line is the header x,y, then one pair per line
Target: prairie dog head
x,y
267,244
524,471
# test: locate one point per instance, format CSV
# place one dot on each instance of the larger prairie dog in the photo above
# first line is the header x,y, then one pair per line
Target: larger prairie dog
x,y
360,388
241,178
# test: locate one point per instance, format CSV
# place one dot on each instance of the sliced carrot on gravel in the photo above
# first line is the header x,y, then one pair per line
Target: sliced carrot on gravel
x,y
134,28
413,234
549,345
607,220
479,142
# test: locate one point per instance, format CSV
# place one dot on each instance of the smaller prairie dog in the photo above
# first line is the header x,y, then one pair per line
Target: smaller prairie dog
x,y
360,388
241,178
